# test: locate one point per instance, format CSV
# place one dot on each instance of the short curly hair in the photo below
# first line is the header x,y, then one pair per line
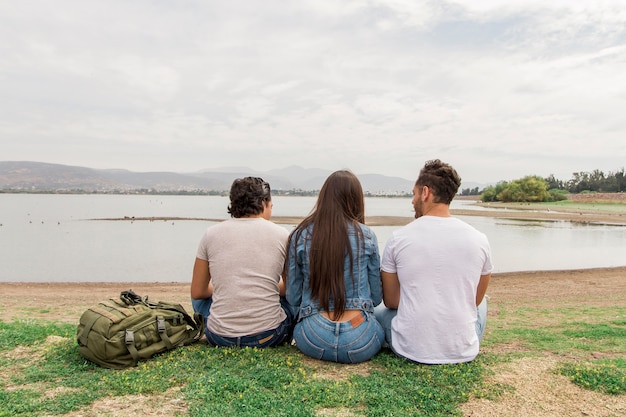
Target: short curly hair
x,y
247,196
441,178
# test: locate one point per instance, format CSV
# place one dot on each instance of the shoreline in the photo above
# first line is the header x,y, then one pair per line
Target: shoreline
x,y
613,219
615,216
66,301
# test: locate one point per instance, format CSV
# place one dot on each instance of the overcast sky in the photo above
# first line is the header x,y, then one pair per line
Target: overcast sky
x,y
499,89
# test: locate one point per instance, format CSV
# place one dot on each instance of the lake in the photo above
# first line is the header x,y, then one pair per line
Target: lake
x,y
51,237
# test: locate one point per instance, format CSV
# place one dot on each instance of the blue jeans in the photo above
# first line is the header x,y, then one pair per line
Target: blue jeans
x,y
351,341
384,315
269,338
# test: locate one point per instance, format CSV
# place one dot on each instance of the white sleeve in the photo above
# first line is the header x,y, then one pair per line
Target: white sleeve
x,y
388,262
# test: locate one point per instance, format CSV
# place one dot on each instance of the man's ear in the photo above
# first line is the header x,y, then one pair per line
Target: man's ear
x,y
267,205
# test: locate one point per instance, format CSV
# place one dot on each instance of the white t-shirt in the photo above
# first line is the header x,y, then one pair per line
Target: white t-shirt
x,y
439,262
246,258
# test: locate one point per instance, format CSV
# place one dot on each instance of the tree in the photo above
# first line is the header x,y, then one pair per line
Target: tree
x,y
490,193
470,191
554,183
531,188
528,189
620,181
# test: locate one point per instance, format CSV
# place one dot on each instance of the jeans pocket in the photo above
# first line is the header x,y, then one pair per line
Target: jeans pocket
x,y
369,349
304,344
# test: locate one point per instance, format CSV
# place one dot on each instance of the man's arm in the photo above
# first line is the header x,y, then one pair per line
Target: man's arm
x,y
201,286
282,288
391,289
482,288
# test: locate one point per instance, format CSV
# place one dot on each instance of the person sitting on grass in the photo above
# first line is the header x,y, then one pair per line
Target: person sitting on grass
x,y
237,280
333,276
435,273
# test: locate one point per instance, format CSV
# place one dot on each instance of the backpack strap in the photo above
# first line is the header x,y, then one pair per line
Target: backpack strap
x,y
129,338
199,320
130,298
163,332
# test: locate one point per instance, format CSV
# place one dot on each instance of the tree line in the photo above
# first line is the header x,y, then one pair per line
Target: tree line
x,y
534,188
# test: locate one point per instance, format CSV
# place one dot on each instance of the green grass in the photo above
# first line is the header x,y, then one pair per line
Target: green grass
x,y
218,382
569,205
27,333
563,331
43,376
608,376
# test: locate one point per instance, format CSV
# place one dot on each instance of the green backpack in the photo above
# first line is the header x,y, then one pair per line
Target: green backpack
x,y
117,333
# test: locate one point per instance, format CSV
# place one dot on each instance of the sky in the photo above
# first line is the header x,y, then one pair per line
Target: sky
x,y
498,89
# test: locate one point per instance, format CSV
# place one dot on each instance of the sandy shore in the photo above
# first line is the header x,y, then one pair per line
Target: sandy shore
x,y
578,216
613,213
65,302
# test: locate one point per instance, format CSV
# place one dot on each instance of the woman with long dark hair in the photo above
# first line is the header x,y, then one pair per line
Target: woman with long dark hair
x,y
333,276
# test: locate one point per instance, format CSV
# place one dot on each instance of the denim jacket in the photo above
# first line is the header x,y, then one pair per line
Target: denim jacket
x,y
364,294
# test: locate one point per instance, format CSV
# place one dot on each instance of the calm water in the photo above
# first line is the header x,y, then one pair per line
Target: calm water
x,y
50,238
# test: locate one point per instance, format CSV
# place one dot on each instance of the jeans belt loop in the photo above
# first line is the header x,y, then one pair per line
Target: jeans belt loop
x,y
305,312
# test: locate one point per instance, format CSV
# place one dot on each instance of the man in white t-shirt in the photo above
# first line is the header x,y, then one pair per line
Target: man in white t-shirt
x,y
435,272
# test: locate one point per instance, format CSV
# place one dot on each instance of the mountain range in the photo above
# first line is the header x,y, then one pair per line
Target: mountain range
x,y
28,176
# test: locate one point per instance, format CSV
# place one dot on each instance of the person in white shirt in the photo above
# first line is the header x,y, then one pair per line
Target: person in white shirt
x,y
435,272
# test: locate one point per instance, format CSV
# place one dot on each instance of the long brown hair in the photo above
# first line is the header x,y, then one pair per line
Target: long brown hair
x,y
340,204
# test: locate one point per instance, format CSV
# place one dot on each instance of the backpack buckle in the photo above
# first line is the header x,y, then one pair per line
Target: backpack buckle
x,y
129,337
161,324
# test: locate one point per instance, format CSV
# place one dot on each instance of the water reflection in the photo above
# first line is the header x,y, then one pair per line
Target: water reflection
x,y
46,237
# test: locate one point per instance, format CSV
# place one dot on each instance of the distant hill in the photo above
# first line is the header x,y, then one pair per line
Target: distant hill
x,y
30,176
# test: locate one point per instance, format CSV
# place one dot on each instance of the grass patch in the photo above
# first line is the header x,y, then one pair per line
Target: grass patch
x,y
562,331
27,333
217,382
569,205
607,376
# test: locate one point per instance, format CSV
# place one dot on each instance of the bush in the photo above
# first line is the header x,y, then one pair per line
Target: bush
x,y
556,195
530,189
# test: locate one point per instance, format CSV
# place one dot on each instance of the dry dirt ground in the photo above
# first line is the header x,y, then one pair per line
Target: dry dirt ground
x,y
537,389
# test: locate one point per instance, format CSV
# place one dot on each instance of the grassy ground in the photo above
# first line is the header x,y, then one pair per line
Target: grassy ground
x,y
43,374
614,203
570,206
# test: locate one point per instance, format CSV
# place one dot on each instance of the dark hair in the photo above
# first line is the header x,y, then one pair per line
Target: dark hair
x,y
441,178
247,196
340,203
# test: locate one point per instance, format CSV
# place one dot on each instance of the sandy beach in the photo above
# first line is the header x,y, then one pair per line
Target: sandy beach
x,y
65,302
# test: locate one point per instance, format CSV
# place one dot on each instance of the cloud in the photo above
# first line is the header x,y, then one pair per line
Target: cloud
x,y
501,88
